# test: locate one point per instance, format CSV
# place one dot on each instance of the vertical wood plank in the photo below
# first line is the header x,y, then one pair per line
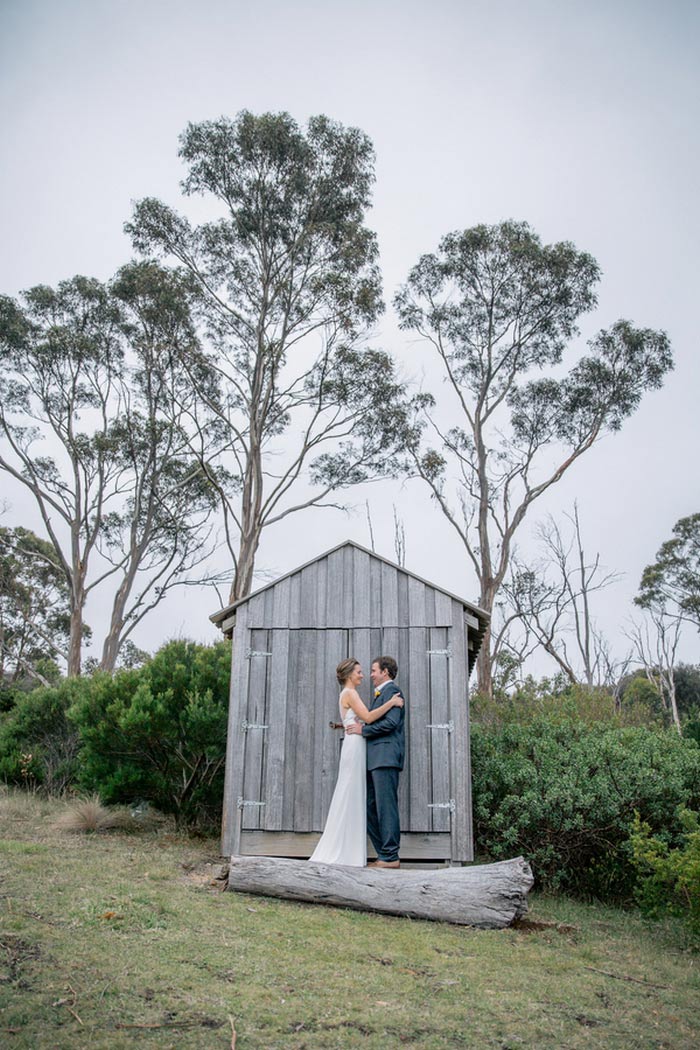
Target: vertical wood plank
x,y
443,609
275,738
390,595
303,715
439,738
348,584
294,599
360,589
253,817
420,788
235,746
430,606
321,593
335,644
376,641
334,589
416,602
268,613
359,647
291,732
321,713
402,582
308,596
460,752
280,605
375,593
256,610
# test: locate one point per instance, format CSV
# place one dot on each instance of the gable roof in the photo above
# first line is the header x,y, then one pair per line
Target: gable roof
x,y
477,614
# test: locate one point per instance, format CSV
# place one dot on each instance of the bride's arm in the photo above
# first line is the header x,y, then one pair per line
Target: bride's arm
x,y
353,700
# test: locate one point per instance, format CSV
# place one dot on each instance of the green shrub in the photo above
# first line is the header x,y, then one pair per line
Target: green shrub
x,y
668,879
158,733
38,742
563,793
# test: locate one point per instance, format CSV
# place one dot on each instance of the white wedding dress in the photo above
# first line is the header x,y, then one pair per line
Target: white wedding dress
x,y
344,840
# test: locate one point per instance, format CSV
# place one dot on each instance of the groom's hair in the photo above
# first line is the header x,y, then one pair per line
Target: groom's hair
x,y
388,664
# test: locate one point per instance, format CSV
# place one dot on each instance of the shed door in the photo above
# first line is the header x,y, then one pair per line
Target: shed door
x,y
292,755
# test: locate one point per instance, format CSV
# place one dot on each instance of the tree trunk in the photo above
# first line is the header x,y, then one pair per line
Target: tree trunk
x,y
489,896
76,640
484,663
484,675
251,526
243,580
113,641
111,647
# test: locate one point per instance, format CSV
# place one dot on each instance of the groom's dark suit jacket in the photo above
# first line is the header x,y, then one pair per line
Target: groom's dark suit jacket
x,y
386,745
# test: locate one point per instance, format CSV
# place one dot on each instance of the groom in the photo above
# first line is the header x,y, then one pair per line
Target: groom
x,y
385,757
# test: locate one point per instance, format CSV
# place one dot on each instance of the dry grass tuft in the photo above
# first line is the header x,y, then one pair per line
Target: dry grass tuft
x,y
88,816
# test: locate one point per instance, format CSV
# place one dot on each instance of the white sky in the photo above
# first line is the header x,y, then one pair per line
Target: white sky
x,y
580,117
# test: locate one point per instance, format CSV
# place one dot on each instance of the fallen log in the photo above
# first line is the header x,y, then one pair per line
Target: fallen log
x,y
489,896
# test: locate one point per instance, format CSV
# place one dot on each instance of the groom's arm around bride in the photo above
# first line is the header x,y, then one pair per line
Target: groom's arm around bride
x,y
385,760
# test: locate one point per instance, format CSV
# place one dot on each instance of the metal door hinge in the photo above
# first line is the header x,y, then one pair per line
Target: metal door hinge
x,y
439,652
443,805
255,652
247,802
246,725
449,726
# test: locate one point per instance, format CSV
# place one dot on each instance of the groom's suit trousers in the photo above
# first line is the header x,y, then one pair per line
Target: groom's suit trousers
x,y
383,825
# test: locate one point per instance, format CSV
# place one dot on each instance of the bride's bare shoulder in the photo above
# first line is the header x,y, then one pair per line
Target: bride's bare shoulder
x,y
347,695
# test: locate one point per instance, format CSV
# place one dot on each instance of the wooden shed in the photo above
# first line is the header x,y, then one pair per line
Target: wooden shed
x,y
282,754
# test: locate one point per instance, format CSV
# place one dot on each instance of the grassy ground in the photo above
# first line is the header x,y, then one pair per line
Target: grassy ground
x,y
117,940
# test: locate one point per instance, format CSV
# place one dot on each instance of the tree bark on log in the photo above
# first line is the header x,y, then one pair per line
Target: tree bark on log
x,y
489,896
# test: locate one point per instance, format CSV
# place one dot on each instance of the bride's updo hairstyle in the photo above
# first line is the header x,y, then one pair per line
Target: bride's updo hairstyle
x,y
345,669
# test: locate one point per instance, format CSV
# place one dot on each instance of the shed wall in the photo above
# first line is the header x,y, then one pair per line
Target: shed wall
x,y
287,641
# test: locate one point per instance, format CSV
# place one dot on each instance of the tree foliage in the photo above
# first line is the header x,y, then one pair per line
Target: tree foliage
x,y
38,741
34,606
672,583
89,429
499,308
288,288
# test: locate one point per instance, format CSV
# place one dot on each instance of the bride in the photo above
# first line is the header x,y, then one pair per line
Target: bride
x,y
344,840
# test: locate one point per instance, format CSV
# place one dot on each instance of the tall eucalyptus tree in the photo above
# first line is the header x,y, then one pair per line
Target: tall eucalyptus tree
x,y
87,426
497,309
288,290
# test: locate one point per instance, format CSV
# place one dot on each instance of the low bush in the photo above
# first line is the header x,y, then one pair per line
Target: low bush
x,y
38,742
158,733
669,879
563,793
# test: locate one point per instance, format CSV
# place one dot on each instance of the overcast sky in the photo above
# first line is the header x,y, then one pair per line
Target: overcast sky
x,y
580,117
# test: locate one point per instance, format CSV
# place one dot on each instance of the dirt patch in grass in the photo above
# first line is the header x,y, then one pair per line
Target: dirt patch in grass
x,y
16,953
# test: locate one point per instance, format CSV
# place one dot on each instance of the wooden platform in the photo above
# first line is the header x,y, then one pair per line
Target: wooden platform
x,y
489,896
297,844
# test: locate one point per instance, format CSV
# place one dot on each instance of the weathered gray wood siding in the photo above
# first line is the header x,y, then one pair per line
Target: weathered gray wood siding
x,y
287,642
349,588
